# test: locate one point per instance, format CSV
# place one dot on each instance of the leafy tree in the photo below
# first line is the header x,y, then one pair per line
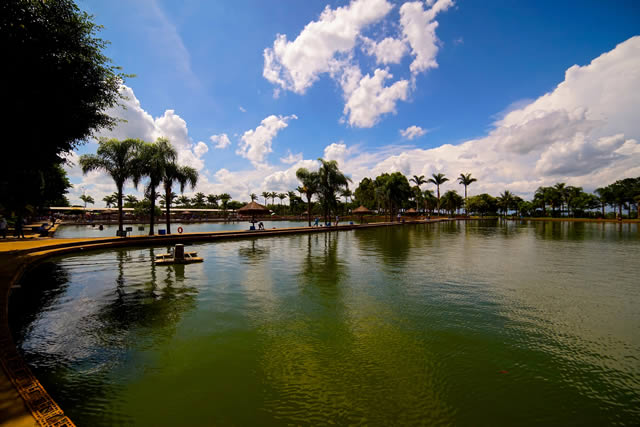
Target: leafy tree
x,y
482,204
430,200
234,205
452,201
365,193
119,159
87,199
56,76
438,180
466,180
310,185
393,190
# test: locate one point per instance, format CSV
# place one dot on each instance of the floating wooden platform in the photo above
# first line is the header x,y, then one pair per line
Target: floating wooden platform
x,y
167,259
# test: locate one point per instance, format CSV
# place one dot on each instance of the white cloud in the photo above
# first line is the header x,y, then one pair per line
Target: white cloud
x,y
291,158
137,123
412,132
419,29
295,65
371,99
242,109
256,143
221,140
387,51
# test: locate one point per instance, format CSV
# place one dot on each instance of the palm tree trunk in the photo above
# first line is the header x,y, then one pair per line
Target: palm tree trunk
x,y
438,187
309,209
168,205
120,217
152,214
603,206
465,201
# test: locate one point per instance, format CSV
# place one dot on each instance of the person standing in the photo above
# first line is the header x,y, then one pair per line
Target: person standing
x,y
19,226
3,227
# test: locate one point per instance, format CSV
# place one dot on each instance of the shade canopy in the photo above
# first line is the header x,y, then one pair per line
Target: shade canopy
x,y
253,208
411,211
361,210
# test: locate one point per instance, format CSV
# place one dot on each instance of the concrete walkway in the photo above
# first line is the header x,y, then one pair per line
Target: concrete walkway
x,y
23,400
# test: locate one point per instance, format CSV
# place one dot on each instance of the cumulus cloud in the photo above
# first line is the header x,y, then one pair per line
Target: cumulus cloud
x,y
221,140
137,123
371,99
291,158
255,144
387,51
419,29
326,46
412,132
296,65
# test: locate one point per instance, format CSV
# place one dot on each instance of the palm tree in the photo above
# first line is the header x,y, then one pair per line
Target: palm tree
x,y
154,160
87,199
184,201
562,192
505,201
118,159
273,196
266,195
309,187
130,200
291,195
418,181
253,196
110,200
466,180
183,175
224,198
331,180
212,200
198,200
437,180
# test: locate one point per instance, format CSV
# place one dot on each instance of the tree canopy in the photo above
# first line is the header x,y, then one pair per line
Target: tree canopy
x,y
58,85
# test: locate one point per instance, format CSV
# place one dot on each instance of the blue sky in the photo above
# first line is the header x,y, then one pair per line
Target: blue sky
x,y
321,81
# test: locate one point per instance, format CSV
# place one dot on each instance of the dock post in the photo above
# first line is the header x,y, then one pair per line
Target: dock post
x,y
178,251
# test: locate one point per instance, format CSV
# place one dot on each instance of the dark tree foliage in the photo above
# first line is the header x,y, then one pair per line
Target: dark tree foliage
x,y
57,85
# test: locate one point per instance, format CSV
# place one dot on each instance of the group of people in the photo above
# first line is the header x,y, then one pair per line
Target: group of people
x,y
18,227
328,224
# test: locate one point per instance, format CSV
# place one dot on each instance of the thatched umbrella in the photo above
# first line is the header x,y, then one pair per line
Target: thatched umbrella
x,y
252,209
411,211
361,211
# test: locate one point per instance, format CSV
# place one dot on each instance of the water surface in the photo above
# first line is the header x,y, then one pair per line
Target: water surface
x,y
109,230
467,324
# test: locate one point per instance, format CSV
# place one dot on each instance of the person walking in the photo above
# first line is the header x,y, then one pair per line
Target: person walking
x,y
3,227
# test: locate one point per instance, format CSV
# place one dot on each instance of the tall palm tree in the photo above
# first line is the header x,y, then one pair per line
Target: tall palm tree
x,y
253,196
466,180
291,195
430,200
130,200
438,180
154,160
331,181
266,195
119,160
418,180
199,200
87,199
562,192
273,196
182,175
309,187
224,198
506,201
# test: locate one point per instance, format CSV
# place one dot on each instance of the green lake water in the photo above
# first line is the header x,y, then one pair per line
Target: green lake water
x,y
484,323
